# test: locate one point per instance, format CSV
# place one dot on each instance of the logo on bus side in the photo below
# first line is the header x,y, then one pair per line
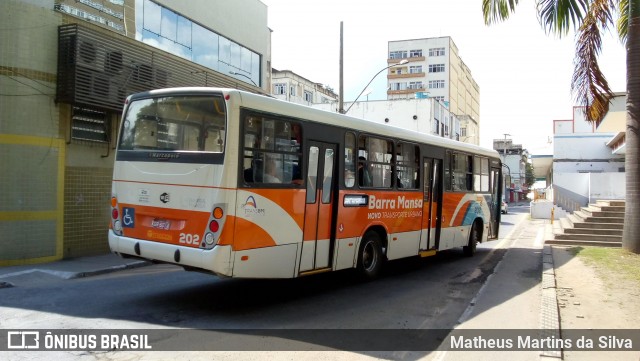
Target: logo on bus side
x,y
250,208
165,198
394,208
250,202
401,202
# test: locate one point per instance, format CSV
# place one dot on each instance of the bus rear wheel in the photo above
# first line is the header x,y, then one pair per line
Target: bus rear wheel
x,y
370,256
474,238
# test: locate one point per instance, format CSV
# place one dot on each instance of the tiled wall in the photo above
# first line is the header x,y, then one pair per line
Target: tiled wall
x,y
29,208
54,195
87,197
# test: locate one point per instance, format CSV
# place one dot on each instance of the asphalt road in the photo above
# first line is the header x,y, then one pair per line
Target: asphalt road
x,y
430,293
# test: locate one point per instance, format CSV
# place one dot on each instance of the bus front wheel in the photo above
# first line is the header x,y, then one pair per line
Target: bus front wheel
x,y
370,256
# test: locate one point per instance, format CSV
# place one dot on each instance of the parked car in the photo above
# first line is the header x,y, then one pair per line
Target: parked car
x,y
504,209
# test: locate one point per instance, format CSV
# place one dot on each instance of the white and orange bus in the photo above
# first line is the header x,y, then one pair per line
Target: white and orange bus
x,y
243,185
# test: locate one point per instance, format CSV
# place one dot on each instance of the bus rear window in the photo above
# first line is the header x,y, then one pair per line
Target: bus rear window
x,y
184,123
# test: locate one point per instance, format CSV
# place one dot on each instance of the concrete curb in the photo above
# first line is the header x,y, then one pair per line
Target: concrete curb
x,y
98,272
67,274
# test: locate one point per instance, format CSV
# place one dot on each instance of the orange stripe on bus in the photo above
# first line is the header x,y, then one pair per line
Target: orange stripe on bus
x,y
292,201
450,202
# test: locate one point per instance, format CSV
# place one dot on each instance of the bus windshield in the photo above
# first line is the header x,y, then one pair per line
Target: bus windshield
x,y
175,123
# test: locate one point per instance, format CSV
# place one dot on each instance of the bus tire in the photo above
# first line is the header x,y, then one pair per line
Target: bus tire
x,y
474,238
370,256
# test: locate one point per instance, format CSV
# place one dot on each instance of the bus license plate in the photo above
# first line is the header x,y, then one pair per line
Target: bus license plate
x,y
161,223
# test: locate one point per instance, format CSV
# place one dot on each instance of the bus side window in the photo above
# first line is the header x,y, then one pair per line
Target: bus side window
x,y
469,176
407,166
364,175
254,172
349,160
378,154
272,151
448,176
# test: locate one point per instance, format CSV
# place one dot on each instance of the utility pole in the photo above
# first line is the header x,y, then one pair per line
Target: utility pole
x,y
341,86
504,146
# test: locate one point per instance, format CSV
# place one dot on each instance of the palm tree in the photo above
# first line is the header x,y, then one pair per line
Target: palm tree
x,y
591,18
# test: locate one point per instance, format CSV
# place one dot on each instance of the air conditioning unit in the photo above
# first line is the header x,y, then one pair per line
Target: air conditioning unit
x,y
88,55
142,74
113,62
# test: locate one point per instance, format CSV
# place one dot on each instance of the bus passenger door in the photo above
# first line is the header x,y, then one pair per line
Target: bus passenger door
x,y
431,207
319,237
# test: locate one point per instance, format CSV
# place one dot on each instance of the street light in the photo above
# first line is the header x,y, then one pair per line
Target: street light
x,y
402,62
240,74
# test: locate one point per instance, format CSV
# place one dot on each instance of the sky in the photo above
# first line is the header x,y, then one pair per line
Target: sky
x,y
524,74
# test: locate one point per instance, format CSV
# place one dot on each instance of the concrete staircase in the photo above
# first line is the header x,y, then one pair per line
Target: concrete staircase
x,y
599,224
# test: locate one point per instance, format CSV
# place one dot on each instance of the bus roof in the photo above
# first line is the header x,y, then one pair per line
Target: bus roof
x,y
293,110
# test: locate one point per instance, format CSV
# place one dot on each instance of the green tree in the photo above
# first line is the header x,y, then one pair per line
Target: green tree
x,y
590,18
528,175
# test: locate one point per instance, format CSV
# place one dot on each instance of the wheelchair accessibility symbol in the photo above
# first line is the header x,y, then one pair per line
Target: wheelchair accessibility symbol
x,y
128,218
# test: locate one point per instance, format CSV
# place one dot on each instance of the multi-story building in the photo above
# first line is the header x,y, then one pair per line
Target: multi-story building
x,y
514,158
66,67
434,69
289,86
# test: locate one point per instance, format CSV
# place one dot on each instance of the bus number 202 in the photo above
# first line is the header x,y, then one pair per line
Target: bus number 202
x,y
186,238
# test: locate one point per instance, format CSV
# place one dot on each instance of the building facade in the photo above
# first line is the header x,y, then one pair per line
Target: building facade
x,y
514,159
66,68
588,160
289,86
434,69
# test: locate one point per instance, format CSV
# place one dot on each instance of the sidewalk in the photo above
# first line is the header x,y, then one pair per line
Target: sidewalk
x,y
563,295
512,297
69,269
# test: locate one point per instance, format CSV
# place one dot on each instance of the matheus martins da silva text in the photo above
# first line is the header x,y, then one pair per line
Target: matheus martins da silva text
x,y
533,343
